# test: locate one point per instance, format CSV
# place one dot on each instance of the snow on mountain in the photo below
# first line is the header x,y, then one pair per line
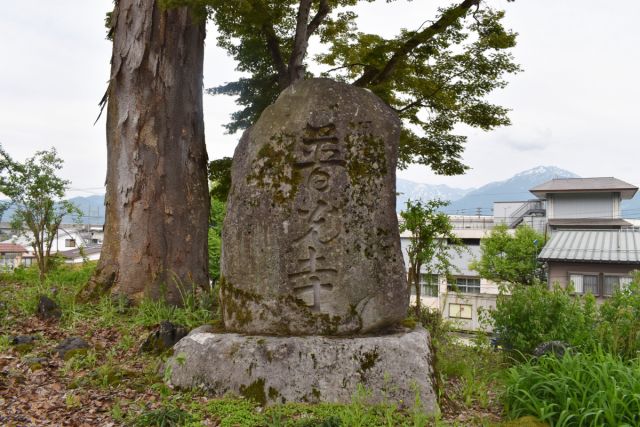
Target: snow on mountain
x,y
480,200
418,191
513,189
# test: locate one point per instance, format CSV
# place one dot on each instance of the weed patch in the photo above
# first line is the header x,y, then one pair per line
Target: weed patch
x,y
581,389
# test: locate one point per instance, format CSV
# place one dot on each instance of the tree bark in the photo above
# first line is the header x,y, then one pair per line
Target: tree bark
x,y
157,203
416,284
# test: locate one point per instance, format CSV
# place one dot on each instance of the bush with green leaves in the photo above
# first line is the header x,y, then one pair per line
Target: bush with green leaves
x,y
432,320
593,388
526,316
619,327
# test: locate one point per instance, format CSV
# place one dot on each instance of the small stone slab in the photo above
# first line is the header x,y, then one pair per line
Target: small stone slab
x,y
268,369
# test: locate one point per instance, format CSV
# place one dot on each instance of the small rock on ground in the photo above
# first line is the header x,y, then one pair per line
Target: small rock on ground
x,y
70,346
163,338
23,339
556,348
48,309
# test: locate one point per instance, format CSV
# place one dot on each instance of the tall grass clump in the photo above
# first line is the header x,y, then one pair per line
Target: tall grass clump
x,y
593,388
197,309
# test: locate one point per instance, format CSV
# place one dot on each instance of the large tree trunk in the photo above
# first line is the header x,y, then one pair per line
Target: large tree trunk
x,y
157,202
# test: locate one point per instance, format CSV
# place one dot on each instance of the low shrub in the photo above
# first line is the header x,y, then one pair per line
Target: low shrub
x,y
581,389
526,316
619,326
431,319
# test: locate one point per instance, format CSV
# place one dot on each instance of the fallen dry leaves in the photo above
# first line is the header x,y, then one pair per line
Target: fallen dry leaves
x,y
48,395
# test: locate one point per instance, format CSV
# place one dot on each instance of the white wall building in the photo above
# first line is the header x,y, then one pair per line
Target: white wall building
x,y
463,297
70,237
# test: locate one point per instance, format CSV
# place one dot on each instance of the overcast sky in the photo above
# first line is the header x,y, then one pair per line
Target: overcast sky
x,y
575,105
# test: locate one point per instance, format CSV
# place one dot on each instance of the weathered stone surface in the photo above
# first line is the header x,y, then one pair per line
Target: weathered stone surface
x,y
311,243
202,329
308,369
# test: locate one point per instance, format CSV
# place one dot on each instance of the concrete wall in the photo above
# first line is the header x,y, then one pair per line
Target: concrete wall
x,y
488,290
583,205
477,303
79,259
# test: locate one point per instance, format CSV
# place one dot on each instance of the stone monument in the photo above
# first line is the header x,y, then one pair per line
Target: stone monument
x,y
313,285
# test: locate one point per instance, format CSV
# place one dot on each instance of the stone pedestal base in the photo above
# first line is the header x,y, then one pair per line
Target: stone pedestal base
x,y
393,368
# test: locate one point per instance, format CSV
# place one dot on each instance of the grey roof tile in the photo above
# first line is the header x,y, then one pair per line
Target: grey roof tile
x,y
614,246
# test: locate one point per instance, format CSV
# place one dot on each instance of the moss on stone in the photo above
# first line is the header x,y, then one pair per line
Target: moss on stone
x,y
235,304
23,348
367,361
35,366
274,168
409,323
255,391
273,393
366,157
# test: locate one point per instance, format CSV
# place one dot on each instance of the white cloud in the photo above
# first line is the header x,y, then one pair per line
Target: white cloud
x,y
575,105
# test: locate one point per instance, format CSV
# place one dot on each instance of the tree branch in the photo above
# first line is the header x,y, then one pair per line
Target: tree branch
x,y
447,19
416,103
355,64
323,11
273,45
296,69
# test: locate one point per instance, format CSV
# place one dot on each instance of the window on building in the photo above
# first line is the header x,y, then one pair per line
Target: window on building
x,y
69,243
27,262
460,311
612,284
469,285
584,283
7,261
429,285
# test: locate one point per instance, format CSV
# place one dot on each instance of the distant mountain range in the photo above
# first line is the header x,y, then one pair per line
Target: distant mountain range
x,y
480,200
465,201
416,191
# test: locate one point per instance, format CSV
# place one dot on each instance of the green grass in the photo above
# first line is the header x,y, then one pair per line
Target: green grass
x,y
120,366
477,370
65,281
233,412
582,389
